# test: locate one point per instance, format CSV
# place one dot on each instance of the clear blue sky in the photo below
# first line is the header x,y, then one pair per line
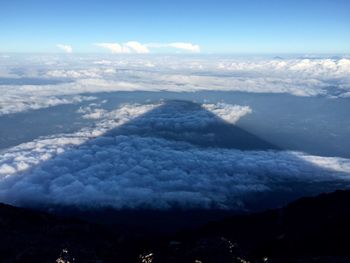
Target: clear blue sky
x,y
233,26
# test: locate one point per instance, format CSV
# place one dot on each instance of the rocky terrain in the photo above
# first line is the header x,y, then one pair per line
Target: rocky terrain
x,y
313,229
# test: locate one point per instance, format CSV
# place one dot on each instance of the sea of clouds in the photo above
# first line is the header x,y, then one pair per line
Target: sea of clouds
x,y
34,82
111,165
165,154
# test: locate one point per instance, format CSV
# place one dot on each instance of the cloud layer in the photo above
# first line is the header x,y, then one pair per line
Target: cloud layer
x,y
102,166
27,83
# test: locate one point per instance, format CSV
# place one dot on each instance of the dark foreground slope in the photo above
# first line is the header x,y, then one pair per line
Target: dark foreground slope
x,y
309,230
34,236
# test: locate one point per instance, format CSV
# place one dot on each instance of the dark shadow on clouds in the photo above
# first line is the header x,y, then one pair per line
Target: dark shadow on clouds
x,y
187,121
177,156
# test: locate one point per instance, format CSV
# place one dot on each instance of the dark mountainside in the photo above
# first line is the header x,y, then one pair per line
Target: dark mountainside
x,y
314,229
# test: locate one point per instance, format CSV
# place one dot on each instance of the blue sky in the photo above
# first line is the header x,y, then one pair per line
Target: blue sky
x,y
236,26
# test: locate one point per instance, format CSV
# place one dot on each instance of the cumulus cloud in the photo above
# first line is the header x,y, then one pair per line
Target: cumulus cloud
x,y
65,48
99,167
113,47
137,47
128,47
184,46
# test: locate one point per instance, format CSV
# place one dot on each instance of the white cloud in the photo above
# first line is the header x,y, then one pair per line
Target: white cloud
x,y
15,104
92,113
185,46
95,168
137,47
65,48
128,47
113,47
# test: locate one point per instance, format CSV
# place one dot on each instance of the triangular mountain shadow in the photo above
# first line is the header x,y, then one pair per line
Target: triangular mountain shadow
x,y
190,122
